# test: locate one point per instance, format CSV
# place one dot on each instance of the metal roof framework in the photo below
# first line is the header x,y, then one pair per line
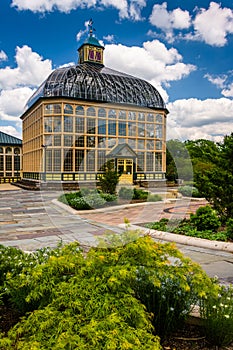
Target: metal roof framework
x,y
98,83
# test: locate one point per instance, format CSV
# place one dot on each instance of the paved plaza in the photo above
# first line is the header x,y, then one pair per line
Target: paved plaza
x,y
31,220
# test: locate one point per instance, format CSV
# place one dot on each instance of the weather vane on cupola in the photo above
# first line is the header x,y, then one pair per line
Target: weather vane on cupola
x,y
90,25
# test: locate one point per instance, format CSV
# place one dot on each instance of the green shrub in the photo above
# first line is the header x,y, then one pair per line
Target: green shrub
x,y
139,194
189,191
205,218
108,197
126,193
90,201
229,228
153,197
217,314
108,298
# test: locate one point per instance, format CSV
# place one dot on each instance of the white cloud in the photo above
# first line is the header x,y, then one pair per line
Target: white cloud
x,y
194,119
82,32
3,56
135,8
52,5
31,70
219,81
127,9
11,130
213,25
228,92
167,21
109,38
12,102
152,62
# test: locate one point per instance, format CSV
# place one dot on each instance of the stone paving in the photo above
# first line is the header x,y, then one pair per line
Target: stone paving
x,y
31,219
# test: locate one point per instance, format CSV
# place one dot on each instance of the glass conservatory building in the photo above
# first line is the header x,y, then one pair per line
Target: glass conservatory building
x,y
84,115
10,158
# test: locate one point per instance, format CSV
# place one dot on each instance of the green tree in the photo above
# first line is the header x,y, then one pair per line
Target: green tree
x,y
203,154
216,183
109,180
178,161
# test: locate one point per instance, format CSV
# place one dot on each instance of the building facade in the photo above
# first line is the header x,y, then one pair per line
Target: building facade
x,y
84,115
10,158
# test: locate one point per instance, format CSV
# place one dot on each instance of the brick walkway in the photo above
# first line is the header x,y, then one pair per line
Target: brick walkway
x,y
144,212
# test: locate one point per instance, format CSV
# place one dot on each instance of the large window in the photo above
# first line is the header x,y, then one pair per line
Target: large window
x,y
68,109
111,127
68,124
68,159
91,125
79,110
79,125
79,160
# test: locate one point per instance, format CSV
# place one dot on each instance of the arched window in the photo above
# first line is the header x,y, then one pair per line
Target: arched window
x,y
79,110
1,150
68,109
112,113
17,151
8,150
102,113
91,112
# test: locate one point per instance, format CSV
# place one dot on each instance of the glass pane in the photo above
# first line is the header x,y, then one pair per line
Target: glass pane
x,y
112,113
8,150
68,109
79,110
79,125
68,124
57,124
48,124
159,118
102,113
91,111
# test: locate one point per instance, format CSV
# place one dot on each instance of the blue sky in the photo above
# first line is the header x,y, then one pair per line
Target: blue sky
x,y
183,48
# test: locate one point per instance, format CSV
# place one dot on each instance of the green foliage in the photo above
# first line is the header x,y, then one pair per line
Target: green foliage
x,y
189,191
216,183
109,180
126,193
178,162
153,197
203,224
90,201
140,194
108,298
86,199
229,228
217,313
205,218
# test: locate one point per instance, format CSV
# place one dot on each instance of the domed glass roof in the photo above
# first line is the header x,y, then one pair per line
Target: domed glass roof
x,y
93,82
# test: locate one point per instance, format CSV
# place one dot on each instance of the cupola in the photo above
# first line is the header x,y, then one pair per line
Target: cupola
x,y
91,51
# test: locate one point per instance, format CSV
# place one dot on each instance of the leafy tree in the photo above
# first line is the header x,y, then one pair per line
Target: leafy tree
x,y
203,154
178,162
109,180
216,183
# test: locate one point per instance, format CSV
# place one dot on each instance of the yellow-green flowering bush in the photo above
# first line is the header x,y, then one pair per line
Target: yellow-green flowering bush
x,y
116,296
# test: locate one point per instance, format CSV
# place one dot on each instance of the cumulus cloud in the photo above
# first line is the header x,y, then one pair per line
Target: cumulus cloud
x,y
219,81
153,62
31,70
52,5
127,9
169,20
214,24
11,130
194,119
3,56
109,38
228,92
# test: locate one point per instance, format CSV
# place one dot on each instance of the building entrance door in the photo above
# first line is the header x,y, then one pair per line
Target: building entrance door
x,y
125,168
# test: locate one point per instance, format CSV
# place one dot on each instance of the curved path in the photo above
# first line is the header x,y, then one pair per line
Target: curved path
x,y
30,220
